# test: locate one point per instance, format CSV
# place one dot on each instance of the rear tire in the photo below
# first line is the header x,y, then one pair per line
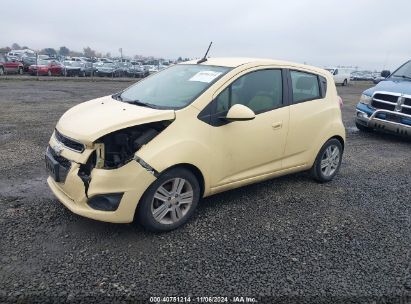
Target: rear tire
x,y
328,161
49,73
20,71
345,82
1,71
169,201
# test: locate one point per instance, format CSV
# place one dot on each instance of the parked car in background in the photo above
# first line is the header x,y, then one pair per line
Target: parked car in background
x,y
18,54
124,68
152,151
44,57
71,68
10,66
341,76
137,70
47,67
151,69
387,106
28,60
108,69
362,75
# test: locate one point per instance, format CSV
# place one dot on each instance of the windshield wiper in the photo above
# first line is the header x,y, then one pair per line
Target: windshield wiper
x,y
140,103
403,76
135,102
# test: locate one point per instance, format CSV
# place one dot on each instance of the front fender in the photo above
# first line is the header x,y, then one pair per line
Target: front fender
x,y
185,141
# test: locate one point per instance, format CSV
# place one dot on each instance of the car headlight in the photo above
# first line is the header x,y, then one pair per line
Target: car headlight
x,y
365,99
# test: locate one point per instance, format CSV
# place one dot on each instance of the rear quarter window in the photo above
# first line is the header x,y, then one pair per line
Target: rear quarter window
x,y
305,86
323,86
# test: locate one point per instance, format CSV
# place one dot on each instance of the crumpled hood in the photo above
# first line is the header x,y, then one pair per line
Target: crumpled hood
x,y
389,85
91,120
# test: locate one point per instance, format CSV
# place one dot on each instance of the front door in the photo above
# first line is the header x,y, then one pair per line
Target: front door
x,y
247,149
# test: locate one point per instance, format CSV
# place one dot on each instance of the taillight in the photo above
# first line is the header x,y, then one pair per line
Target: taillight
x,y
340,102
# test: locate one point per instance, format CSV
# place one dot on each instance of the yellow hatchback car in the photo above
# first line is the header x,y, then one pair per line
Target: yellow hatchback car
x,y
192,130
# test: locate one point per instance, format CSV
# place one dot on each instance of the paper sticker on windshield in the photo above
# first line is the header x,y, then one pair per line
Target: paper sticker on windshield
x,y
205,76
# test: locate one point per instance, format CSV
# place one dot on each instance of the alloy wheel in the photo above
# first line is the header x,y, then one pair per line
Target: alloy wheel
x,y
330,160
172,200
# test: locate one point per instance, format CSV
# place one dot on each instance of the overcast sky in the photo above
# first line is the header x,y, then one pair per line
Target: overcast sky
x,y
368,33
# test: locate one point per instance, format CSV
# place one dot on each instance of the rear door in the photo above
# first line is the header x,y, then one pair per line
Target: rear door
x,y
11,65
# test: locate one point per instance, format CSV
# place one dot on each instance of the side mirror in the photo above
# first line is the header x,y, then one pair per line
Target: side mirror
x,y
385,73
239,112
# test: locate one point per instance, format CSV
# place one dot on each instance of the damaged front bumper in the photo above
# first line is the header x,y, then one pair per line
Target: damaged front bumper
x,y
109,195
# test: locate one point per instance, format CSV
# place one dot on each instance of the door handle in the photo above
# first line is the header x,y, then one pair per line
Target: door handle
x,y
277,125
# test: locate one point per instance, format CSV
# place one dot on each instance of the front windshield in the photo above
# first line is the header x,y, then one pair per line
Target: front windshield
x,y
404,71
174,87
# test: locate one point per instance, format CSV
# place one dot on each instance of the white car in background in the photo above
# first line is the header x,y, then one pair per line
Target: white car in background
x,y
341,76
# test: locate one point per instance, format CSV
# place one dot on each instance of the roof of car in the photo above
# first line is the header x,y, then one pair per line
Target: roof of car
x,y
238,61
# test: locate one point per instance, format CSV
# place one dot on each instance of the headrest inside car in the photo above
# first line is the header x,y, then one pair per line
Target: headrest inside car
x,y
305,83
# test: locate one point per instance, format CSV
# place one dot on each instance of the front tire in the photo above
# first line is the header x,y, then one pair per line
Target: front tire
x,y
169,201
328,161
345,82
20,71
49,73
1,71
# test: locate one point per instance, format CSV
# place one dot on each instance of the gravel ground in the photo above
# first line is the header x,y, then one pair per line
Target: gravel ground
x,y
284,240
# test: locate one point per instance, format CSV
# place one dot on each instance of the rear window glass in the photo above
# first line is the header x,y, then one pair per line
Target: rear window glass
x,y
305,86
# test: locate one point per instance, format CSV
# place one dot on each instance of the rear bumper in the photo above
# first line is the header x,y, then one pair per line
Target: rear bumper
x,y
384,120
131,180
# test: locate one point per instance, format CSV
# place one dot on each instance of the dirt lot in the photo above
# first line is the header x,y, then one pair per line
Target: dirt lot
x,y
284,239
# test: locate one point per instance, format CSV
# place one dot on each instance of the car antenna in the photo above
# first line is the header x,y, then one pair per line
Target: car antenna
x,y
204,59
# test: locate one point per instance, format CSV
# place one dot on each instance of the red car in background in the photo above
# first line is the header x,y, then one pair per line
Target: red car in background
x,y
8,66
46,67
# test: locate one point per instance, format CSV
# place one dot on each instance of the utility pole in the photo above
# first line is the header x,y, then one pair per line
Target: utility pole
x,y
37,66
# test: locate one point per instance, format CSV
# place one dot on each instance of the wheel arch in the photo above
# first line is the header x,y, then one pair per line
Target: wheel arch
x,y
339,138
193,169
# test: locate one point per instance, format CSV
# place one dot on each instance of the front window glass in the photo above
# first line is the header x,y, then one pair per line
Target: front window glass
x,y
404,71
175,87
261,91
